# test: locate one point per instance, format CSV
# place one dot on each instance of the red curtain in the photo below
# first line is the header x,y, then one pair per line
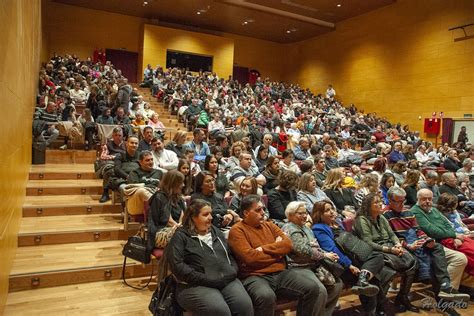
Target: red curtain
x,y
448,129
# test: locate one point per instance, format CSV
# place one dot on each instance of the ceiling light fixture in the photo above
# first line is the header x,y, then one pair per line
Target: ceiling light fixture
x,y
145,3
339,5
288,32
245,23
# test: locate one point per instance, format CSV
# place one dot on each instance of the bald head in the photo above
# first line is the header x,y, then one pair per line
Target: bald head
x,y
425,199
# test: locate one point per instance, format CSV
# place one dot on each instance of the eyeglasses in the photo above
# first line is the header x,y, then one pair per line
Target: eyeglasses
x,y
210,181
301,213
397,202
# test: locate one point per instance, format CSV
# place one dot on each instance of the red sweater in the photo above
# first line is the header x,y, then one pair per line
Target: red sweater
x,y
244,239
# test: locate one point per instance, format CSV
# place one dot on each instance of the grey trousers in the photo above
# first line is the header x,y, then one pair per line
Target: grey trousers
x,y
293,284
206,301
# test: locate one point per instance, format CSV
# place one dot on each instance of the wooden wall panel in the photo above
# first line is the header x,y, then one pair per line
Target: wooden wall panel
x,y
400,61
157,39
76,30
20,30
265,56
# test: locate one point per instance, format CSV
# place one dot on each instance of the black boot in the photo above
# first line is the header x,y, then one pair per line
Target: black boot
x,y
403,304
363,287
105,196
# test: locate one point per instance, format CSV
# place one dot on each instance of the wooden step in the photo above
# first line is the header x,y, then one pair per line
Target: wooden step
x,y
50,230
70,156
63,187
94,298
57,205
55,265
62,171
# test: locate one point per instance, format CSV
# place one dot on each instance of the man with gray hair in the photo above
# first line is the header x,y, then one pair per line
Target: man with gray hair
x,y
301,151
430,184
267,142
438,227
430,254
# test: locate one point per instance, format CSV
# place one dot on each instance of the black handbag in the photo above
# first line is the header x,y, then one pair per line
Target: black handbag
x,y
335,268
354,247
163,301
136,249
403,263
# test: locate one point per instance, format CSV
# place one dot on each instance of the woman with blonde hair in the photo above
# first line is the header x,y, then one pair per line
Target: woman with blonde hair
x,y
343,198
177,144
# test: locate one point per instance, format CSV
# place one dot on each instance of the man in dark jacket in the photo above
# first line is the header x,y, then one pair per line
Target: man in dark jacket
x,y
123,165
142,183
452,162
123,95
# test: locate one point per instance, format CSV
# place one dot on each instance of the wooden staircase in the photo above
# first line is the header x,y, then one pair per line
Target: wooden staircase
x,y
66,236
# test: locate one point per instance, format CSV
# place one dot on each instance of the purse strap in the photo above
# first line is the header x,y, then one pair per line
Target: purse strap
x,y
132,286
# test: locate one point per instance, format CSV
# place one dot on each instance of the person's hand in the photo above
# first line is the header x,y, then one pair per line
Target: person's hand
x,y
331,256
235,216
226,219
460,237
278,239
430,244
457,243
396,251
416,244
259,249
354,270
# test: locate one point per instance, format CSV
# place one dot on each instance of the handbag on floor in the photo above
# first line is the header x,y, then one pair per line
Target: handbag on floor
x,y
163,302
136,249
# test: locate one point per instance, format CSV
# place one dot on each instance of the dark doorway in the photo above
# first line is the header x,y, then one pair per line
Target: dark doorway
x,y
189,61
241,74
125,61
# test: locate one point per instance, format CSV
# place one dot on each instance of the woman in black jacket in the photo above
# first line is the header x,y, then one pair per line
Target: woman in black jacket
x,y
343,198
205,270
167,205
282,195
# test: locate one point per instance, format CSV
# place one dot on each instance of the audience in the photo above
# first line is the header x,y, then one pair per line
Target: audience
x,y
279,135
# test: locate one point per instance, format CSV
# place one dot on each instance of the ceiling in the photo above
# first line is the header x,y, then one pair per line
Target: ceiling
x,y
282,21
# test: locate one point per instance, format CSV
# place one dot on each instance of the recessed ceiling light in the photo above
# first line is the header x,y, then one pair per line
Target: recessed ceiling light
x,y
288,31
339,5
145,3
199,12
245,23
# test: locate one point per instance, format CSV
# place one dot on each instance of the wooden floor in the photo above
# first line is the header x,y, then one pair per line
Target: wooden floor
x,y
114,298
47,258
96,298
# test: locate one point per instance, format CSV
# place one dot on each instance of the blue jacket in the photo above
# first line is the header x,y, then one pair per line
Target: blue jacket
x,y
204,150
325,237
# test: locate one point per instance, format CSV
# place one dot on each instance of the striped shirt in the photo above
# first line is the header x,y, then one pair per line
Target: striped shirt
x,y
402,222
42,114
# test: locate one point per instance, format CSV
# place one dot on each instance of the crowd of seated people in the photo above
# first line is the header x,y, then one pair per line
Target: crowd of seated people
x,y
230,192
75,96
